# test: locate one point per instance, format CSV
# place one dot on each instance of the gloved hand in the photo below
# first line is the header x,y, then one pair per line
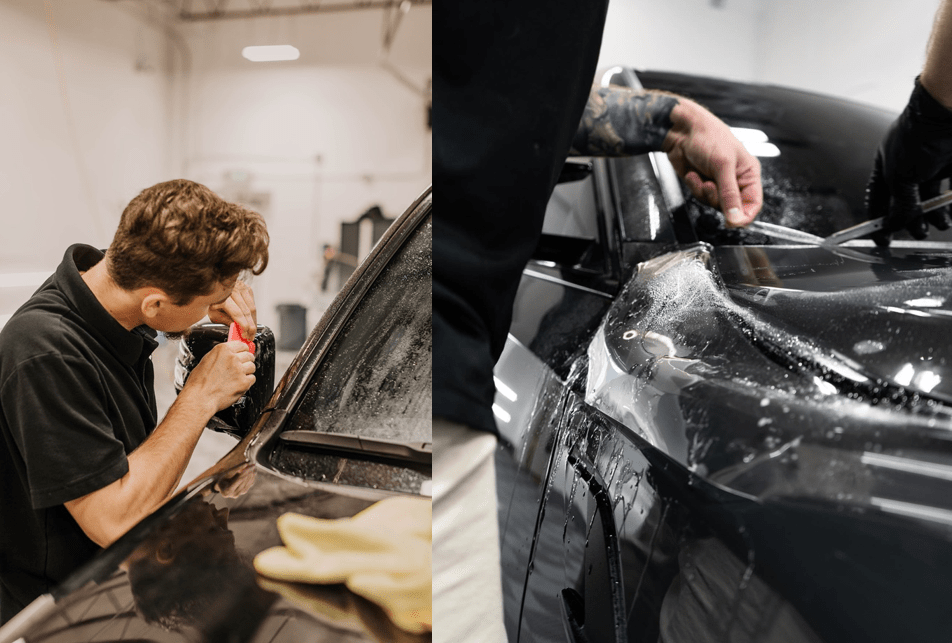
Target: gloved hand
x,y
912,160
383,554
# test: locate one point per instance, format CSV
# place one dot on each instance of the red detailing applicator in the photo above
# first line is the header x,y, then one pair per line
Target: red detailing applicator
x,y
234,334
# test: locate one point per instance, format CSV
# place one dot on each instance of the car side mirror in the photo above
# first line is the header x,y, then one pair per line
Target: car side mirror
x,y
575,171
240,417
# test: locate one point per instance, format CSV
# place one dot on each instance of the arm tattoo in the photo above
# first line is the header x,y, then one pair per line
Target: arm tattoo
x,y
623,122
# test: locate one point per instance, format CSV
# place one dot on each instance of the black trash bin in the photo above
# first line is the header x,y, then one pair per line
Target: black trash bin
x,y
292,325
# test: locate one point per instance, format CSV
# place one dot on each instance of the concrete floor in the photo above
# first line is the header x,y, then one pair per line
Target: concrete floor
x,y
212,445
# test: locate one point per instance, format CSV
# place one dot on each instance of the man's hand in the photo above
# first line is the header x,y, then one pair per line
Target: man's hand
x,y
239,307
704,152
223,375
911,162
716,166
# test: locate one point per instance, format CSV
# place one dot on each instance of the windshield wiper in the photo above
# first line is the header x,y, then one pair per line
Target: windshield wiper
x,y
357,446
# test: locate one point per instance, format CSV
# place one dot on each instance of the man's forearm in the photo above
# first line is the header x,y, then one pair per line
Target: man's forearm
x,y
623,122
937,73
155,469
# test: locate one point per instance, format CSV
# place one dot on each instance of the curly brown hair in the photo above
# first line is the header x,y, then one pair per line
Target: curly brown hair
x,y
184,239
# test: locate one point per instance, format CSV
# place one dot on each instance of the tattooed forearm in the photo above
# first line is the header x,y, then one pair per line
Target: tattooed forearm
x,y
623,122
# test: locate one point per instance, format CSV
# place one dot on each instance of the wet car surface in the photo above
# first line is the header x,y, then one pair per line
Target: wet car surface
x,y
347,425
714,435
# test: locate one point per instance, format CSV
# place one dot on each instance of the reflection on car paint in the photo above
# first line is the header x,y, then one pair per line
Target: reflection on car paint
x,y
192,579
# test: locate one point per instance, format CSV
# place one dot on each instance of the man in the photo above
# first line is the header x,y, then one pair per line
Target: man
x,y
511,83
82,459
916,154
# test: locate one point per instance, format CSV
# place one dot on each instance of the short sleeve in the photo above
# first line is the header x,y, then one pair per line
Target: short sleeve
x,y
55,408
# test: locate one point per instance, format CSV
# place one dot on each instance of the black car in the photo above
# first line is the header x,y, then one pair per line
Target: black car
x,y
347,425
712,434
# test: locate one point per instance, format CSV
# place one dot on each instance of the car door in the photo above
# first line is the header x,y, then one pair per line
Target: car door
x,y
571,546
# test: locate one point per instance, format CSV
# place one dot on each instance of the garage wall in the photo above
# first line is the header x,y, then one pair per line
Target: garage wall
x,y
85,107
103,98
865,50
310,142
692,36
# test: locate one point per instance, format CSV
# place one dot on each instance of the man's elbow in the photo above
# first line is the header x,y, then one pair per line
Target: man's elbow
x,y
101,521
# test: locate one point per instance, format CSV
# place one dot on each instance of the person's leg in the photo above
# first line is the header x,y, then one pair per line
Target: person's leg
x,y
467,586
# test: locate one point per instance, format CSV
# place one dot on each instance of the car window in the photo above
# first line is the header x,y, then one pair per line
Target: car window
x,y
571,210
375,379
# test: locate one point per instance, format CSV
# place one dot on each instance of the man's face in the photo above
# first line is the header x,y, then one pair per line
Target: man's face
x,y
174,321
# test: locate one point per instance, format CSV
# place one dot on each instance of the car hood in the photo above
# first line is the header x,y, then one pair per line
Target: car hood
x,y
881,312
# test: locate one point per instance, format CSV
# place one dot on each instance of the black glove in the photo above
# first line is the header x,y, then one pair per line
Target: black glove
x,y
912,160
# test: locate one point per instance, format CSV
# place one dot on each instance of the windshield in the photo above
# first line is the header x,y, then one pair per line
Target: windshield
x,y
815,151
364,419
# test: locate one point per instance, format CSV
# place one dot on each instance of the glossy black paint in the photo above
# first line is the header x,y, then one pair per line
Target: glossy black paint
x,y
189,577
752,441
873,306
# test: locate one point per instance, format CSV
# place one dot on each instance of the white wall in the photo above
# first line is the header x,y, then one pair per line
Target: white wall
x,y
84,108
324,137
865,50
689,36
100,101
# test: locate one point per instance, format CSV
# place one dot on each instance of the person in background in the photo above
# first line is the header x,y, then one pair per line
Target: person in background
x,y
916,154
512,98
83,456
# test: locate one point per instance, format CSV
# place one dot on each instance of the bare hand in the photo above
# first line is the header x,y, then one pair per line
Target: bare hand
x,y
223,375
716,166
239,307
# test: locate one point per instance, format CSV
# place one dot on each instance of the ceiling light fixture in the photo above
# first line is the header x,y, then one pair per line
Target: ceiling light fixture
x,y
270,53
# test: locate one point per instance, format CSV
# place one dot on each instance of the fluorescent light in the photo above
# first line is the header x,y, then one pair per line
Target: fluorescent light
x,y
607,76
910,509
825,387
270,53
925,381
762,150
909,465
904,376
501,413
755,141
504,390
747,135
926,302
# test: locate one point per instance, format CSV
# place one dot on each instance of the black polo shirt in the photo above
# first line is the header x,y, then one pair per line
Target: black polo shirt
x,y
510,82
76,397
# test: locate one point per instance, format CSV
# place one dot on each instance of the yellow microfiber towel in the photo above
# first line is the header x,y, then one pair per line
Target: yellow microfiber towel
x,y
383,554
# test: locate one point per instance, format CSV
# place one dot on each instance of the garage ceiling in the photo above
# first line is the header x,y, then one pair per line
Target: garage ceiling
x,y
205,10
